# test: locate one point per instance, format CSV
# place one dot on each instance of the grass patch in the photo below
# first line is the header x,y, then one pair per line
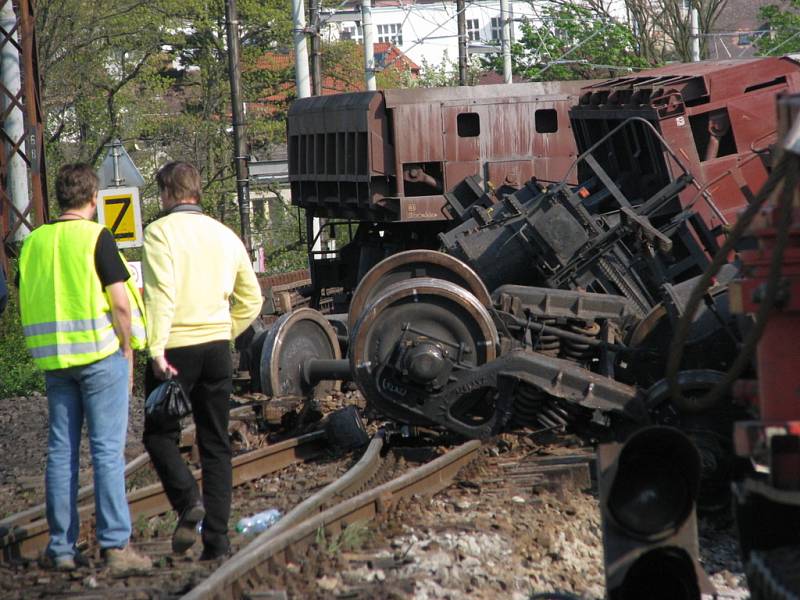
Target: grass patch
x,y
353,537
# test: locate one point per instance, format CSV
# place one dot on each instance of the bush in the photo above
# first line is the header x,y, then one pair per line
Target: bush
x,y
18,375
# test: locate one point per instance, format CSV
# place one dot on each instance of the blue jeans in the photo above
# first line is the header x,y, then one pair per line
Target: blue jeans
x,y
99,392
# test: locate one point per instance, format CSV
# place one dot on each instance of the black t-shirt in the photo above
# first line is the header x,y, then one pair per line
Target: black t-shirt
x,y
107,261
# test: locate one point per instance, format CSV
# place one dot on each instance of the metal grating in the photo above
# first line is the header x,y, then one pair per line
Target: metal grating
x,y
30,145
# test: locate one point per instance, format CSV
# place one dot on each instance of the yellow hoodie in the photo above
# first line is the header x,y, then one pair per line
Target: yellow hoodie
x,y
193,267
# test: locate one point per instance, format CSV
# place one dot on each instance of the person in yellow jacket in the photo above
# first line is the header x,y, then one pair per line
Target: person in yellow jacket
x,y
200,292
82,318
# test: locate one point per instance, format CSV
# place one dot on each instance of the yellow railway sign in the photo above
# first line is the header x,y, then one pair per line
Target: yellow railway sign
x,y
119,210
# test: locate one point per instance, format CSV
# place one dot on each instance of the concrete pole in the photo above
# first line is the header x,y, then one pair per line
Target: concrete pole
x,y
316,54
505,37
369,44
302,79
462,41
14,124
239,132
695,35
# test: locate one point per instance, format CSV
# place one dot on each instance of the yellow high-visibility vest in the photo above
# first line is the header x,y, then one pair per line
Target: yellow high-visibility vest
x,y
66,313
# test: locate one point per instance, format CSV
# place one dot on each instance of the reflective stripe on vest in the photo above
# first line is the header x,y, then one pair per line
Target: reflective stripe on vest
x,y
107,345
67,326
66,315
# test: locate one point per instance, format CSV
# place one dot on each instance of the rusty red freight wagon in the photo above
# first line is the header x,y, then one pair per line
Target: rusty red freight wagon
x,y
390,155
718,116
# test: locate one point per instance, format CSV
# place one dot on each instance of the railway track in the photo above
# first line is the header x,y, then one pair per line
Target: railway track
x,y
249,567
86,493
357,495
25,534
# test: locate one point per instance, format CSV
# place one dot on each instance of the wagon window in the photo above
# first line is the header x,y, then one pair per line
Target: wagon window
x,y
469,125
713,134
546,120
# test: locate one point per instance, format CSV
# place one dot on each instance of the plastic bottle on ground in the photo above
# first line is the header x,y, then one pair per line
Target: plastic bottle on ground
x,y
258,522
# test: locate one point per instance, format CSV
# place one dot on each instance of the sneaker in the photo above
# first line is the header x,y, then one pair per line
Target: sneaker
x,y
63,562
185,534
126,561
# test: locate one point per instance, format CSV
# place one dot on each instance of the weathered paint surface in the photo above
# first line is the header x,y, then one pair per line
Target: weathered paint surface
x,y
347,153
682,100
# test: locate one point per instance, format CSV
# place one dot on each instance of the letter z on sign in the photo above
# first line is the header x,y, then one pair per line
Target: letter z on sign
x,y
118,209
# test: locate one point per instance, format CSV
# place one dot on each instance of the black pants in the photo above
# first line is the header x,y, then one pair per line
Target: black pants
x,y
205,372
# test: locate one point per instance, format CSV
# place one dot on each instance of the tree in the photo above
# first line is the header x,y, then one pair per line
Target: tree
x,y
343,68
663,27
573,41
155,74
99,65
445,74
784,26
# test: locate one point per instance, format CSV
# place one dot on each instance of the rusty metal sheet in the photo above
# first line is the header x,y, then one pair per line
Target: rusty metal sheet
x,y
683,100
480,92
456,171
417,133
422,208
463,143
509,172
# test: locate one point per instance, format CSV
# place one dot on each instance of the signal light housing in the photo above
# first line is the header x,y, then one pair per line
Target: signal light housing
x,y
648,493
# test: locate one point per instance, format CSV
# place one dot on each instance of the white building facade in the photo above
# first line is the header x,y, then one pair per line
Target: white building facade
x,y
427,31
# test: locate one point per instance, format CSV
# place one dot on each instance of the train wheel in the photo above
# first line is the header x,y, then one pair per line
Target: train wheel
x,y
415,264
411,338
293,339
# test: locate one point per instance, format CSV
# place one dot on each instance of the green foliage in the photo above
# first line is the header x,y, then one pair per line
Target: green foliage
x,y
352,537
574,42
445,74
784,21
155,75
281,236
18,375
343,64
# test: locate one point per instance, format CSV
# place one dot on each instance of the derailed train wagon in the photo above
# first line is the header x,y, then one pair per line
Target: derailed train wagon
x,y
385,159
563,295
718,116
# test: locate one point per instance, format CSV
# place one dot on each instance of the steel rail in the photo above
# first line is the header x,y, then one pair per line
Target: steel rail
x,y
28,540
87,492
38,511
349,483
249,567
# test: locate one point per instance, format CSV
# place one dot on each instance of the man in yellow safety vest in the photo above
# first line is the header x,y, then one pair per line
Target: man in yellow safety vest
x,y
82,317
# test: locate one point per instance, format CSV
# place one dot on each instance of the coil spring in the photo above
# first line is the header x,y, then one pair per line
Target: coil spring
x,y
577,351
533,408
547,343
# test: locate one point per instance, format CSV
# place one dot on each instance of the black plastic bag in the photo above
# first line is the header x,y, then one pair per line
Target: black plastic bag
x,y
168,400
